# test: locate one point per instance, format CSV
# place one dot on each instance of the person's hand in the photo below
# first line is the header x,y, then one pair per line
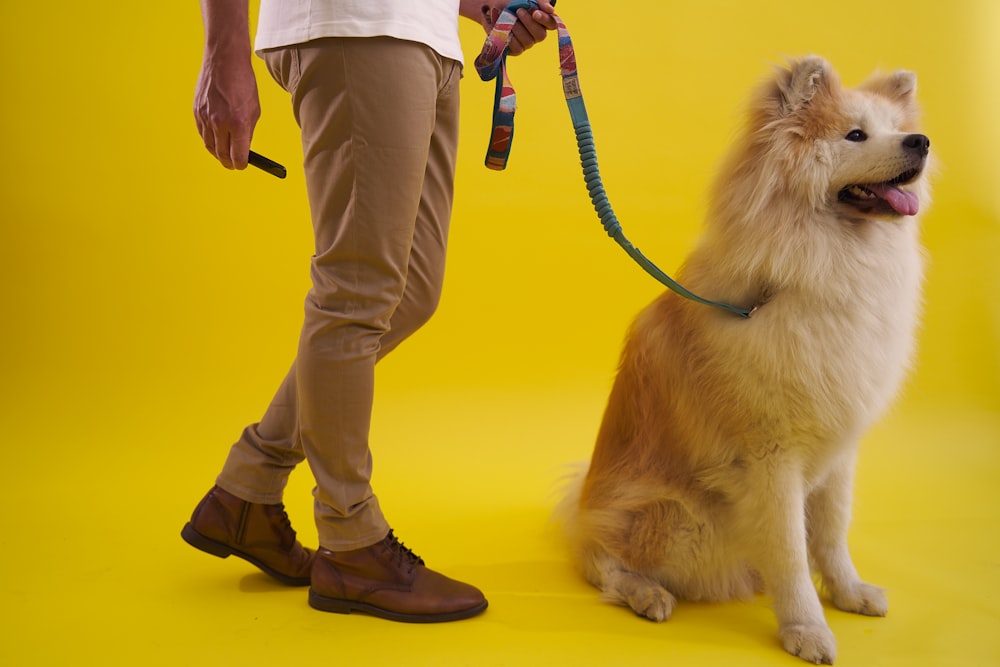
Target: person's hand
x,y
531,26
227,106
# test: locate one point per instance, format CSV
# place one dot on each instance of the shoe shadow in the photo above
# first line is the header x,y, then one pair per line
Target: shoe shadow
x,y
258,582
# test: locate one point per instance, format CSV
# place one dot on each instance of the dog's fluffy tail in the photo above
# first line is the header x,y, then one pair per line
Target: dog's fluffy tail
x,y
569,486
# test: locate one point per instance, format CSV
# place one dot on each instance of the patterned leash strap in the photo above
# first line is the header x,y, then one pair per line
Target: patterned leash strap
x,y
492,64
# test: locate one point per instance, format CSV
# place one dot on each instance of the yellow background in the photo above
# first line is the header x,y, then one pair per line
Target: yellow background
x,y
150,304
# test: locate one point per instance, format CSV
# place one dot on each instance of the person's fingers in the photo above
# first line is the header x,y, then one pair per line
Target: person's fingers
x,y
239,150
514,45
220,148
226,113
228,142
531,30
544,19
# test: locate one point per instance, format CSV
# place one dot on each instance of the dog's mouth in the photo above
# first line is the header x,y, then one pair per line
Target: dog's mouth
x,y
885,197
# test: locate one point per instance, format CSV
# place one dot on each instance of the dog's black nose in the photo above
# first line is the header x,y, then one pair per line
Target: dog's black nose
x,y
918,143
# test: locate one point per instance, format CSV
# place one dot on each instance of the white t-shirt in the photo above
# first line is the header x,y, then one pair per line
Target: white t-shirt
x,y
430,22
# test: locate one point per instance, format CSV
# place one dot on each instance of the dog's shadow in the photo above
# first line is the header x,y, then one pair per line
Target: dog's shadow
x,y
550,597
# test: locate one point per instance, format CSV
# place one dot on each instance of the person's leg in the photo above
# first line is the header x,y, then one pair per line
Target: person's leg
x,y
243,514
385,578
381,115
425,272
260,462
367,109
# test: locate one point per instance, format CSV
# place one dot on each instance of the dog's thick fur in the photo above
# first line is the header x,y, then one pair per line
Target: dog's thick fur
x,y
724,463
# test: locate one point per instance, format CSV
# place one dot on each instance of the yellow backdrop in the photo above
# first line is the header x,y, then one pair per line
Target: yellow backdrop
x,y
151,301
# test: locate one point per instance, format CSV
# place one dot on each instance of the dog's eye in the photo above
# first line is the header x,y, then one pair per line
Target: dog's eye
x,y
856,135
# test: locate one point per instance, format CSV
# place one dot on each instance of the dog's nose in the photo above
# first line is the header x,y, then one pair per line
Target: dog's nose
x,y
917,143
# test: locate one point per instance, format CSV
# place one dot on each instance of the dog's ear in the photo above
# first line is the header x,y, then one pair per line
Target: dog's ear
x,y
899,86
804,79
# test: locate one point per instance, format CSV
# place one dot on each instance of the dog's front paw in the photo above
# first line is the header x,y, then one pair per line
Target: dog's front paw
x,y
812,643
653,602
862,598
643,594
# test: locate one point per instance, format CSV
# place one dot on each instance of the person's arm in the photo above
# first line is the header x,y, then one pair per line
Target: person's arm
x,y
530,29
226,104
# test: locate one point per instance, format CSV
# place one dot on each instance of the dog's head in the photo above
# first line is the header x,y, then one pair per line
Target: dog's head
x,y
856,152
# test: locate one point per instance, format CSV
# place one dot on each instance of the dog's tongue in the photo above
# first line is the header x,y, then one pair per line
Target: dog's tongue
x,y
903,202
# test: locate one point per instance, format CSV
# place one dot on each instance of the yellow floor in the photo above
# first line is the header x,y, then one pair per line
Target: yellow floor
x,y
150,301
95,572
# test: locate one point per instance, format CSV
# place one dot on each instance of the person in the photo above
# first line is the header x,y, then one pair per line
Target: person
x,y
374,90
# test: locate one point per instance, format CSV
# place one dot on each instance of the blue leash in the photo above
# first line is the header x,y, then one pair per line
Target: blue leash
x,y
491,64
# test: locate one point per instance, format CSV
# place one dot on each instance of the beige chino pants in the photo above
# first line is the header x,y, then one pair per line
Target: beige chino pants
x,y
379,121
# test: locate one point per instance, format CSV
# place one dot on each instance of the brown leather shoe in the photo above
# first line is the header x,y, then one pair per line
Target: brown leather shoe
x,y
224,525
389,581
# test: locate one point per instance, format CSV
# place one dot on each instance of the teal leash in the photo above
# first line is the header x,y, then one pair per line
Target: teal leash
x,y
491,64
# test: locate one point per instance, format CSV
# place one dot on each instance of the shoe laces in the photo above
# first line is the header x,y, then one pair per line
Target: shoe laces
x,y
402,551
286,523
288,535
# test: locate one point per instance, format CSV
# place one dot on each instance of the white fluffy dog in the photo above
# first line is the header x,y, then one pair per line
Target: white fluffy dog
x,y
724,463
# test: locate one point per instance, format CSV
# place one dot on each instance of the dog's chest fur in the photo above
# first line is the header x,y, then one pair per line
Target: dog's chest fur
x,y
816,366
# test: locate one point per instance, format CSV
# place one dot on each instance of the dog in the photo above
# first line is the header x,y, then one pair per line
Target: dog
x,y
723,466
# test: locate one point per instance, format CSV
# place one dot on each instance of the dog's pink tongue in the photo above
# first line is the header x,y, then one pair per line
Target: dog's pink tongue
x,y
903,202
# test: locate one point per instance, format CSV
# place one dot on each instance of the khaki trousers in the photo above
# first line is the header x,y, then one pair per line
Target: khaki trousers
x,y
379,122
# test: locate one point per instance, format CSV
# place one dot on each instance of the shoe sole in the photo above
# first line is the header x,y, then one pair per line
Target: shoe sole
x,y
338,606
199,541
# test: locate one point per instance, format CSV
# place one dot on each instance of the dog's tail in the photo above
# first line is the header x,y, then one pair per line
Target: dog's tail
x,y
568,488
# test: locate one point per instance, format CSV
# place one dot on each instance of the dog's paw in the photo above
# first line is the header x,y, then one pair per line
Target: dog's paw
x,y
652,602
644,595
656,604
812,643
862,598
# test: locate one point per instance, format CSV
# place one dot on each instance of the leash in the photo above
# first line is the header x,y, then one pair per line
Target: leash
x,y
492,64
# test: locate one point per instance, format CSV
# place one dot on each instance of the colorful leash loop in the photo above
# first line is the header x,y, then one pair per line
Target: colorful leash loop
x,y
492,64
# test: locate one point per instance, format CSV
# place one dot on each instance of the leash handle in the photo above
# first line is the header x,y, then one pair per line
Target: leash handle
x,y
492,63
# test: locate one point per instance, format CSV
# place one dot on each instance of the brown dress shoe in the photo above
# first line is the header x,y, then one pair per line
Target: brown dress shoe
x,y
224,525
389,581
